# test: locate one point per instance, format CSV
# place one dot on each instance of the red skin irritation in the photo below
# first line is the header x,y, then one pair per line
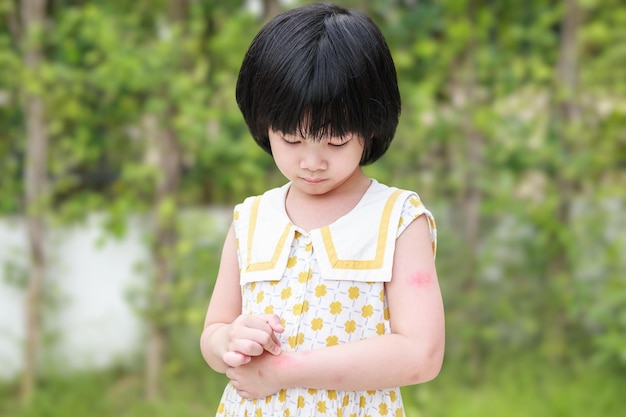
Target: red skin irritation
x,y
420,279
282,360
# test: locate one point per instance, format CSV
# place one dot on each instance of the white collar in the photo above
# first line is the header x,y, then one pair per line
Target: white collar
x,y
358,246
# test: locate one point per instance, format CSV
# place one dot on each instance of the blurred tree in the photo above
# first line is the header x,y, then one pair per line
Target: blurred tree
x,y
565,120
270,8
168,154
30,37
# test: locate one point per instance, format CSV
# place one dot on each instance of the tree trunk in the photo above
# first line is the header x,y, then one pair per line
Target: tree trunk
x,y
471,195
270,8
169,164
564,113
32,14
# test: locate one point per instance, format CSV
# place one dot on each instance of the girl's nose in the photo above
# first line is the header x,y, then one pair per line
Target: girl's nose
x,y
313,159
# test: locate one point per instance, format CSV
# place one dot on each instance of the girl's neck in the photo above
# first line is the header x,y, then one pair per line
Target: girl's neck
x,y
309,211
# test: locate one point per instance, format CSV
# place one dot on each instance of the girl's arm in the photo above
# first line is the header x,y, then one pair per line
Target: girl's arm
x,y
230,339
412,353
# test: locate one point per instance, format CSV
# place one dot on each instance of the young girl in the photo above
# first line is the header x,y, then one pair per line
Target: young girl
x,y
327,297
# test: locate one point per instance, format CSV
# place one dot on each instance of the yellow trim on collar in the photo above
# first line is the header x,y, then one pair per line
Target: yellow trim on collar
x,y
375,263
267,265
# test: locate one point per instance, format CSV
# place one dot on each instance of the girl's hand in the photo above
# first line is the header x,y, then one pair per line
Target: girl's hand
x,y
251,336
256,379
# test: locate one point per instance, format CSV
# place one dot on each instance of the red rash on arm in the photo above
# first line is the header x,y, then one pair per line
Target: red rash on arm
x,y
282,360
420,279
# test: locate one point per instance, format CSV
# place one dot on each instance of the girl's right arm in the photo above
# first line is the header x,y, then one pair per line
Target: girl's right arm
x,y
230,339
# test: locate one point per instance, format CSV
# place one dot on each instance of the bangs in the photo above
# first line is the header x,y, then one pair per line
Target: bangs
x,y
324,116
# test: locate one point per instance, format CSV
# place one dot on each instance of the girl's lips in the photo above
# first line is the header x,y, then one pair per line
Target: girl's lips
x,y
313,180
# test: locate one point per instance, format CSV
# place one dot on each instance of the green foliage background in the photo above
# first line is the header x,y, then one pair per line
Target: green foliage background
x,y
536,300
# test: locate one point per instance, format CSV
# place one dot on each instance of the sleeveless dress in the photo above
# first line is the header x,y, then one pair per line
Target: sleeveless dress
x,y
326,290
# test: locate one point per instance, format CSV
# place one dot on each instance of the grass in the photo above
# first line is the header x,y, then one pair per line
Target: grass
x,y
527,388
517,389
114,394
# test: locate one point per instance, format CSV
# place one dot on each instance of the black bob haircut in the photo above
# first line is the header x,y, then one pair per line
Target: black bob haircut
x,y
320,70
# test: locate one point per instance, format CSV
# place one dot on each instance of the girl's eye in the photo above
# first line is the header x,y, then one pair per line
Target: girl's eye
x,y
338,145
289,142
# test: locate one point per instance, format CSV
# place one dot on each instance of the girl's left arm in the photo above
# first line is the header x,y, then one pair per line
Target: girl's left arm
x,y
412,353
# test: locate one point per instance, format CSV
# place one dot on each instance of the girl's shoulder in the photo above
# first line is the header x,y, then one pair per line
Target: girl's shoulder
x,y
411,207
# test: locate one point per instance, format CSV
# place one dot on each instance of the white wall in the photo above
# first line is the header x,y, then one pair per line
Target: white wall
x,y
92,323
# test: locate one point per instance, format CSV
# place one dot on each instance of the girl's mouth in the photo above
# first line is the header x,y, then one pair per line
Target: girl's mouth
x,y
313,180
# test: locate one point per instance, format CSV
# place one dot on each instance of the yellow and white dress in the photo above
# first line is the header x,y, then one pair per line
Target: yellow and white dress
x,y
326,285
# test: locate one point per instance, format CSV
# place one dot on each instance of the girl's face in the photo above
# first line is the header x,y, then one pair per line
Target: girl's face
x,y
317,167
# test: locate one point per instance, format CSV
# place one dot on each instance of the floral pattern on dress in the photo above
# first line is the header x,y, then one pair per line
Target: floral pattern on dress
x,y
316,313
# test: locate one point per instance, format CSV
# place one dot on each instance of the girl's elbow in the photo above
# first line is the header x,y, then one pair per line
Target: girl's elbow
x,y
433,369
435,355
435,360
427,366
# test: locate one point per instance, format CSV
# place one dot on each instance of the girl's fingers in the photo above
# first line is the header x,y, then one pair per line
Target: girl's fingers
x,y
249,346
235,359
274,322
260,330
